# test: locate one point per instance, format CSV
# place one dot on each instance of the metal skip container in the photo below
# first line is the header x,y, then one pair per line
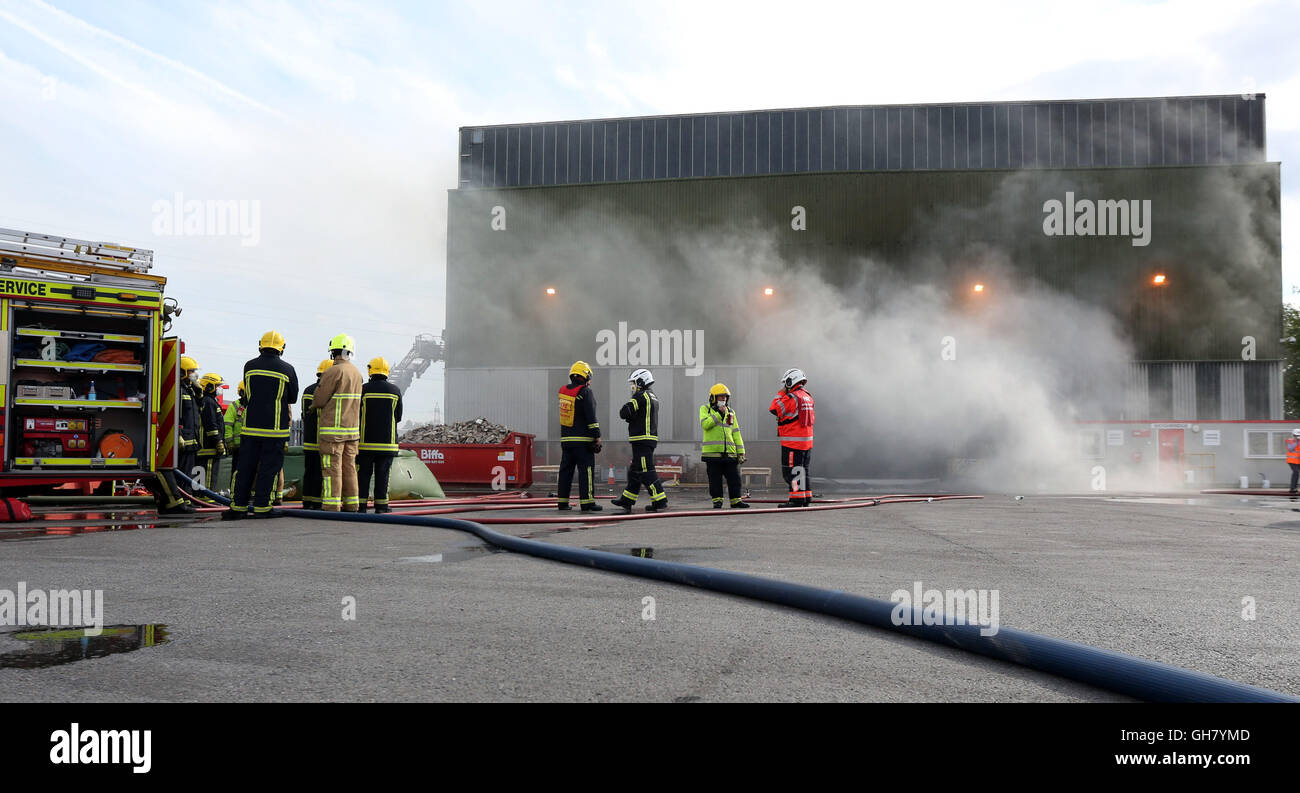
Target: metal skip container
x,y
508,464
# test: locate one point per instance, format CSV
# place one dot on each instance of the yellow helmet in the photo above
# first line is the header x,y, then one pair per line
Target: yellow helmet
x,y
581,369
378,366
271,340
240,389
324,366
188,364
718,390
211,379
343,342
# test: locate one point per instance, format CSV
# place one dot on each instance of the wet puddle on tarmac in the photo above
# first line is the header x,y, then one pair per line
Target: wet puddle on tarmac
x,y
37,648
68,524
703,554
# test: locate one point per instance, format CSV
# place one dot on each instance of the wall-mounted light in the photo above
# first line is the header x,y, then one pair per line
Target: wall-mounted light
x,y
550,290
769,291
979,288
1159,280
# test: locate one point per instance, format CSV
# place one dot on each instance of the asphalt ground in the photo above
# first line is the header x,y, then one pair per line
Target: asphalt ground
x,y
254,610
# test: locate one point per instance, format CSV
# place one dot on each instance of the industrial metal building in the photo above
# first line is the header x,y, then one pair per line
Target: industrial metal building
x,y
1093,199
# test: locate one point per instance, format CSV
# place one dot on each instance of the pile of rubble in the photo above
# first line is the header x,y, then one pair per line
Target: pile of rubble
x,y
480,430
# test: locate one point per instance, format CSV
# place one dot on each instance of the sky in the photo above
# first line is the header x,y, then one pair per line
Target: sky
x,y
333,126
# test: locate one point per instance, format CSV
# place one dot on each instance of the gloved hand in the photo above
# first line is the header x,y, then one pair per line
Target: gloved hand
x,y
221,448
595,447
740,460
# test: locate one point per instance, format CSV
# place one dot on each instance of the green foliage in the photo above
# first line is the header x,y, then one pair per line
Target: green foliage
x,y
1291,365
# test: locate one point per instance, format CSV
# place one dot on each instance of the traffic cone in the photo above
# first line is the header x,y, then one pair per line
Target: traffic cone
x,y
611,476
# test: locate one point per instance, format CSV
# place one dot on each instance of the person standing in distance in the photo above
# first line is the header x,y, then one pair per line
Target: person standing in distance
x,y
795,416
1293,458
212,446
311,471
272,387
233,425
191,397
723,447
381,409
337,400
642,416
579,439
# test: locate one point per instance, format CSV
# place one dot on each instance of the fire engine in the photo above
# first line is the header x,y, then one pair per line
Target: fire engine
x,y
88,374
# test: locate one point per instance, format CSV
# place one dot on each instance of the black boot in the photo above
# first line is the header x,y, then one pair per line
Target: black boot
x,y
657,506
739,505
232,514
791,503
188,509
592,508
623,504
717,505
563,506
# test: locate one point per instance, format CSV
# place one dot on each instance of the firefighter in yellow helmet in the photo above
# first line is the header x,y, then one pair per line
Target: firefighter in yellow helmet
x,y
381,409
164,487
337,402
271,385
212,445
723,448
311,472
191,395
579,439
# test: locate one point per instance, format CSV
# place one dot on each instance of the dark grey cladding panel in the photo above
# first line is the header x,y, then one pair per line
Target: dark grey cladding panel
x,y
1204,130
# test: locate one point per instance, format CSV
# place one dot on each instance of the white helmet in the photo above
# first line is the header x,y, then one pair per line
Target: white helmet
x,y
642,378
793,376
1296,433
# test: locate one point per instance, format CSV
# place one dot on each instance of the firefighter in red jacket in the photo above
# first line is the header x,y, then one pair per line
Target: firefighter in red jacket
x,y
1293,458
795,416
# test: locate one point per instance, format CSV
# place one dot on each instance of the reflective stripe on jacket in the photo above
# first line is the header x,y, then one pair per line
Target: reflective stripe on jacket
x,y
642,416
309,419
795,416
234,422
270,388
337,400
578,405
381,409
720,438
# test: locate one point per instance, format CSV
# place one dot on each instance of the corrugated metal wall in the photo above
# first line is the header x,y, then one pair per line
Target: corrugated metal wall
x,y
502,395
1064,134
1140,399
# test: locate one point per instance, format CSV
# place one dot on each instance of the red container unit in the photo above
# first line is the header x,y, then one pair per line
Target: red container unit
x,y
480,463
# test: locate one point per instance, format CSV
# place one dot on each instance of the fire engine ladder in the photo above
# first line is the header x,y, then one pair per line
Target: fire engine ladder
x,y
76,257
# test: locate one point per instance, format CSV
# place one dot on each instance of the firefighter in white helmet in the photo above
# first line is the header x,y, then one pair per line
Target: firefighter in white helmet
x,y
795,416
641,413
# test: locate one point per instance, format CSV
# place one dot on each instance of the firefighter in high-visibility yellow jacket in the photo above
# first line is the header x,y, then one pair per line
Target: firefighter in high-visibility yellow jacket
x,y
723,449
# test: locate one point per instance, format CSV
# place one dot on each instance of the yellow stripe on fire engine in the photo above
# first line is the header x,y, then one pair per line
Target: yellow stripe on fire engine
x,y
163,440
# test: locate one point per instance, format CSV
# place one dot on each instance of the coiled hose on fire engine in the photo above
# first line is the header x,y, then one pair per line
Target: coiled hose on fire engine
x,y
1124,674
